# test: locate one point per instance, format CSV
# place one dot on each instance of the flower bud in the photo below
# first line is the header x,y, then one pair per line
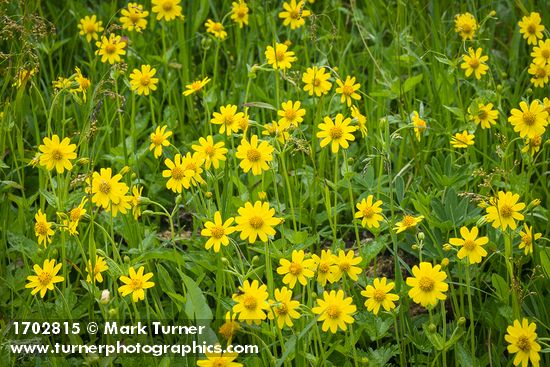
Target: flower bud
x,y
113,312
444,262
432,328
105,297
255,259
493,13
126,259
208,194
179,199
124,170
415,247
225,261
421,236
262,195
447,247
461,321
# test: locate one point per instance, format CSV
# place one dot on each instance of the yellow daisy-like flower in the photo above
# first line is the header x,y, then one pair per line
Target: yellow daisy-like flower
x,y
337,132
379,295
230,327
361,120
335,310
419,125
212,153
522,338
279,57
75,215
219,360
527,239
474,63
23,76
95,271
256,221
348,90
159,139
179,178
167,9
123,205
462,140
57,154
296,270
107,189
135,284
42,228
470,245
346,263
407,222
294,14
192,163
228,119
428,284
531,28
532,146
133,17
45,278
484,116
369,212
283,308
136,200
504,211
83,83
466,26
291,114
143,81
326,266
540,73
216,28
252,302
541,53
218,232
254,155
278,130
89,27
239,13
316,81
195,87
110,49
531,120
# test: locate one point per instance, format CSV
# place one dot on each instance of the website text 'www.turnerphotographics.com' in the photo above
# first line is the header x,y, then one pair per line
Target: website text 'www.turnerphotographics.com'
x,y
37,338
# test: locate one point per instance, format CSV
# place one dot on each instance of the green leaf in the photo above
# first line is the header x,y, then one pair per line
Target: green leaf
x,y
545,261
501,287
371,249
260,105
196,306
412,82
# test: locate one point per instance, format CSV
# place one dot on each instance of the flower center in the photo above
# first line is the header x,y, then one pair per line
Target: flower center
x,y
344,266
45,278
506,211
250,302
324,268
526,239
347,90
333,311
219,362
282,309
228,120
316,82
290,115
196,86
367,212
295,268
426,284
379,295
466,28
145,80
178,173
167,6
209,151
57,155
482,114
41,228
256,222
294,14
105,187
253,155
136,284
110,48
474,62
545,53
531,28
541,72
529,118
336,132
90,28
469,245
408,221
280,55
216,27
217,232
523,343
75,214
157,139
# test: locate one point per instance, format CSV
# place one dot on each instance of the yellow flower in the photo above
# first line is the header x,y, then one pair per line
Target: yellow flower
x,y
369,212
219,360
133,18
278,130
111,48
57,154
466,26
523,341
62,83
484,116
45,278
407,222
99,267
474,63
135,201
167,9
462,140
540,73
228,118
90,27
159,139
532,146
527,239
470,245
337,132
335,311
361,120
294,14
279,57
504,211
419,124
327,268
239,13
346,265
75,215
211,153
316,81
23,76
122,205
179,178
348,89
107,189
531,120
428,284
143,81
135,283
230,327
531,28
42,228
296,270
83,83
256,221
216,28
252,302
254,156
283,308
192,164
291,114
195,87
379,294
541,53
218,232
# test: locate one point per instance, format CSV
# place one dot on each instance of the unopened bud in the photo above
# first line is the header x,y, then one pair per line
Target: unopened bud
x,y
179,199
432,328
124,170
415,247
126,259
461,321
113,312
208,194
444,262
421,236
447,247
255,259
105,296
